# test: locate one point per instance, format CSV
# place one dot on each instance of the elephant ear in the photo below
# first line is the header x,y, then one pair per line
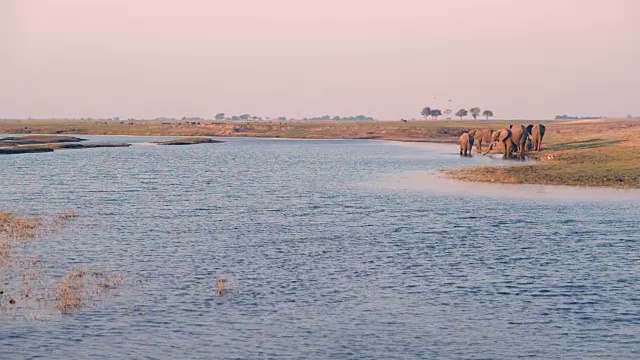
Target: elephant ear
x,y
504,134
529,128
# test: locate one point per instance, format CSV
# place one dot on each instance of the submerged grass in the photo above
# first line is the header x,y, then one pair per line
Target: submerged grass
x,y
13,226
24,284
70,291
80,287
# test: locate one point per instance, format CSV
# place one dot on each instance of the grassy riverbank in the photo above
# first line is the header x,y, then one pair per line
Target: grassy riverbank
x,y
585,152
385,130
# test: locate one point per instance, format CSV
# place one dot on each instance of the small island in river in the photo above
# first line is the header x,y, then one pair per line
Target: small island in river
x,y
47,143
188,141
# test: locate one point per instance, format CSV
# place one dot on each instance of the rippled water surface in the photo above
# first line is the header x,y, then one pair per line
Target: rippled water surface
x,y
333,249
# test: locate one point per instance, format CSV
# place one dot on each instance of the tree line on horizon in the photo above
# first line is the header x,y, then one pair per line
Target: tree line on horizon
x,y
223,116
474,111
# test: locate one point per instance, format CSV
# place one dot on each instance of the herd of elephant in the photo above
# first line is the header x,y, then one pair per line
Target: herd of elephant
x,y
515,140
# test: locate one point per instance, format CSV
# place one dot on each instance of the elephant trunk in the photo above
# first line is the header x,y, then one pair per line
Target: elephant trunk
x,y
490,147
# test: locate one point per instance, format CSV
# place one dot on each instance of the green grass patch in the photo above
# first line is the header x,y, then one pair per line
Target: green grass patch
x,y
584,144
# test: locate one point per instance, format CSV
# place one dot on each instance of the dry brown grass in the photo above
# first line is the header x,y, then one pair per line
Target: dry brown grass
x,y
437,131
79,288
14,226
70,291
221,287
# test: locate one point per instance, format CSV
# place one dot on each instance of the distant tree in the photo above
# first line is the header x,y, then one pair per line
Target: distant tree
x,y
235,118
245,117
426,112
447,113
462,113
336,118
220,116
362,118
487,114
435,113
475,111
282,118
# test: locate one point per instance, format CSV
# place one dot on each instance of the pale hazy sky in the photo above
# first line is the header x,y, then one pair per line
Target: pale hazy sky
x,y
300,58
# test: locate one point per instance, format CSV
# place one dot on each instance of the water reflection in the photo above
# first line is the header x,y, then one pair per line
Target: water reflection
x,y
438,183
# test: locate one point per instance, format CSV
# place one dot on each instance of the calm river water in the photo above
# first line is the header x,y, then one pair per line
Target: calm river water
x,y
332,249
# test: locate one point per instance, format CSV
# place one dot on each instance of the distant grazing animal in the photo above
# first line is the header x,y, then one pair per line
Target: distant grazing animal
x,y
466,144
481,136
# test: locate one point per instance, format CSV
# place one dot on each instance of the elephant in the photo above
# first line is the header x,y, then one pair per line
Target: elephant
x,y
466,144
537,134
529,145
481,136
513,139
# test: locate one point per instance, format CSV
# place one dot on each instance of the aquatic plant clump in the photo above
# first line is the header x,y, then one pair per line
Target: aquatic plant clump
x,y
14,226
26,288
79,288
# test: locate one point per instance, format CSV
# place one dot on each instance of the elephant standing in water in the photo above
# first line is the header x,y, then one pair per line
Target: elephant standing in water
x,y
466,144
513,138
481,136
536,133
